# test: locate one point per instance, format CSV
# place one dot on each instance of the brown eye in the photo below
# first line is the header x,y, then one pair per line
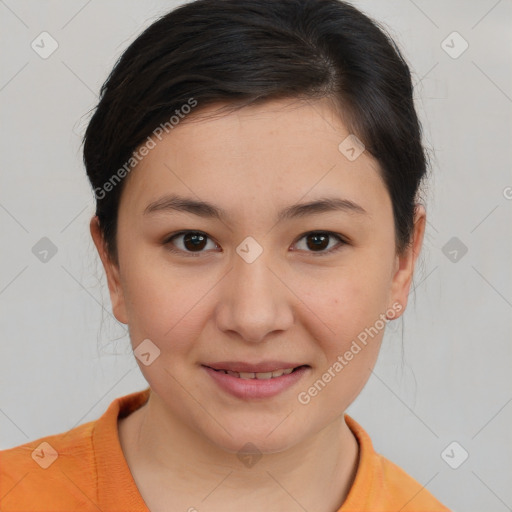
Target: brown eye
x,y
188,242
194,241
319,241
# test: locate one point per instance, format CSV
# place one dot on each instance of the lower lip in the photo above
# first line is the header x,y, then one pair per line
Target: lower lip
x,y
255,388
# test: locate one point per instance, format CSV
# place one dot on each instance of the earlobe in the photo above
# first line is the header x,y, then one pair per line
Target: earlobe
x,y
406,262
111,271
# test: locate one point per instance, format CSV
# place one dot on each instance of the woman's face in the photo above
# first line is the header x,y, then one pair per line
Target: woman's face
x,y
250,288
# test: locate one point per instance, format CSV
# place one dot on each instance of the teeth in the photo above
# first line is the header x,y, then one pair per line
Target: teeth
x,y
264,376
259,375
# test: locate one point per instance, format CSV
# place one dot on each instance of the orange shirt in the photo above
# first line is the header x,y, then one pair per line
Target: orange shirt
x,y
84,469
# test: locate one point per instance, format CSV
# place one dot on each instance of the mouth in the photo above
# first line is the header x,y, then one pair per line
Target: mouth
x,y
255,381
259,375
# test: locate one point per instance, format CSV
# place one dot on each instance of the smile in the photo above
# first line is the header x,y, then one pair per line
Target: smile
x,y
250,385
259,375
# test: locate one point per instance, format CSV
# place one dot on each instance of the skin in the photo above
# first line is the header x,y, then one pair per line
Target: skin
x,y
291,303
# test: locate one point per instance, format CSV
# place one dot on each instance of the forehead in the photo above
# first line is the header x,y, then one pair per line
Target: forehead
x,y
277,152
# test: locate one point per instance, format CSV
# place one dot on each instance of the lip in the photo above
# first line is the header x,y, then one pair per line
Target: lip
x,y
261,367
250,389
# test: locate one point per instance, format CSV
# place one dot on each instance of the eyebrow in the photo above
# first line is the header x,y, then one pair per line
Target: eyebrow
x,y
170,203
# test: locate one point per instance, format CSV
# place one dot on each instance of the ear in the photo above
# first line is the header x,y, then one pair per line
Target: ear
x,y
406,262
112,272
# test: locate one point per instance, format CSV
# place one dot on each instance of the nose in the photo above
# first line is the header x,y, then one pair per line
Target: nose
x,y
254,302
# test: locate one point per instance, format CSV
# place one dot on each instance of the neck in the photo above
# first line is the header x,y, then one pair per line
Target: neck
x,y
313,475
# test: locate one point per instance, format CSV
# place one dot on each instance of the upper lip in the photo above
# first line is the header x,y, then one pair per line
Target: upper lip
x,y
261,367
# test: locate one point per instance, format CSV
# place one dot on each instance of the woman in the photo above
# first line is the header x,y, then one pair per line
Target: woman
x,y
256,166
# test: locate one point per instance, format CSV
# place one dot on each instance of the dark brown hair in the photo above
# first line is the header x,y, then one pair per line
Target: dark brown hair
x,y
239,52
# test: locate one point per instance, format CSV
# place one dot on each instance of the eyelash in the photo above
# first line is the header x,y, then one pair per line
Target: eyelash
x,y
342,242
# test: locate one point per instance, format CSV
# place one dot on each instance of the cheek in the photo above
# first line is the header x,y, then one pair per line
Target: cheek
x,y
353,310
346,301
164,304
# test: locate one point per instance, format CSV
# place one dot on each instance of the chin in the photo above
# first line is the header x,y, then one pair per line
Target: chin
x,y
256,438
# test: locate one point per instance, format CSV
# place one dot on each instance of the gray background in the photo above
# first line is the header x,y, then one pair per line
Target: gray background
x,y
64,357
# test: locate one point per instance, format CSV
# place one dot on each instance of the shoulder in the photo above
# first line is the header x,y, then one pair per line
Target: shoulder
x,y
381,485
406,490
52,471
81,469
